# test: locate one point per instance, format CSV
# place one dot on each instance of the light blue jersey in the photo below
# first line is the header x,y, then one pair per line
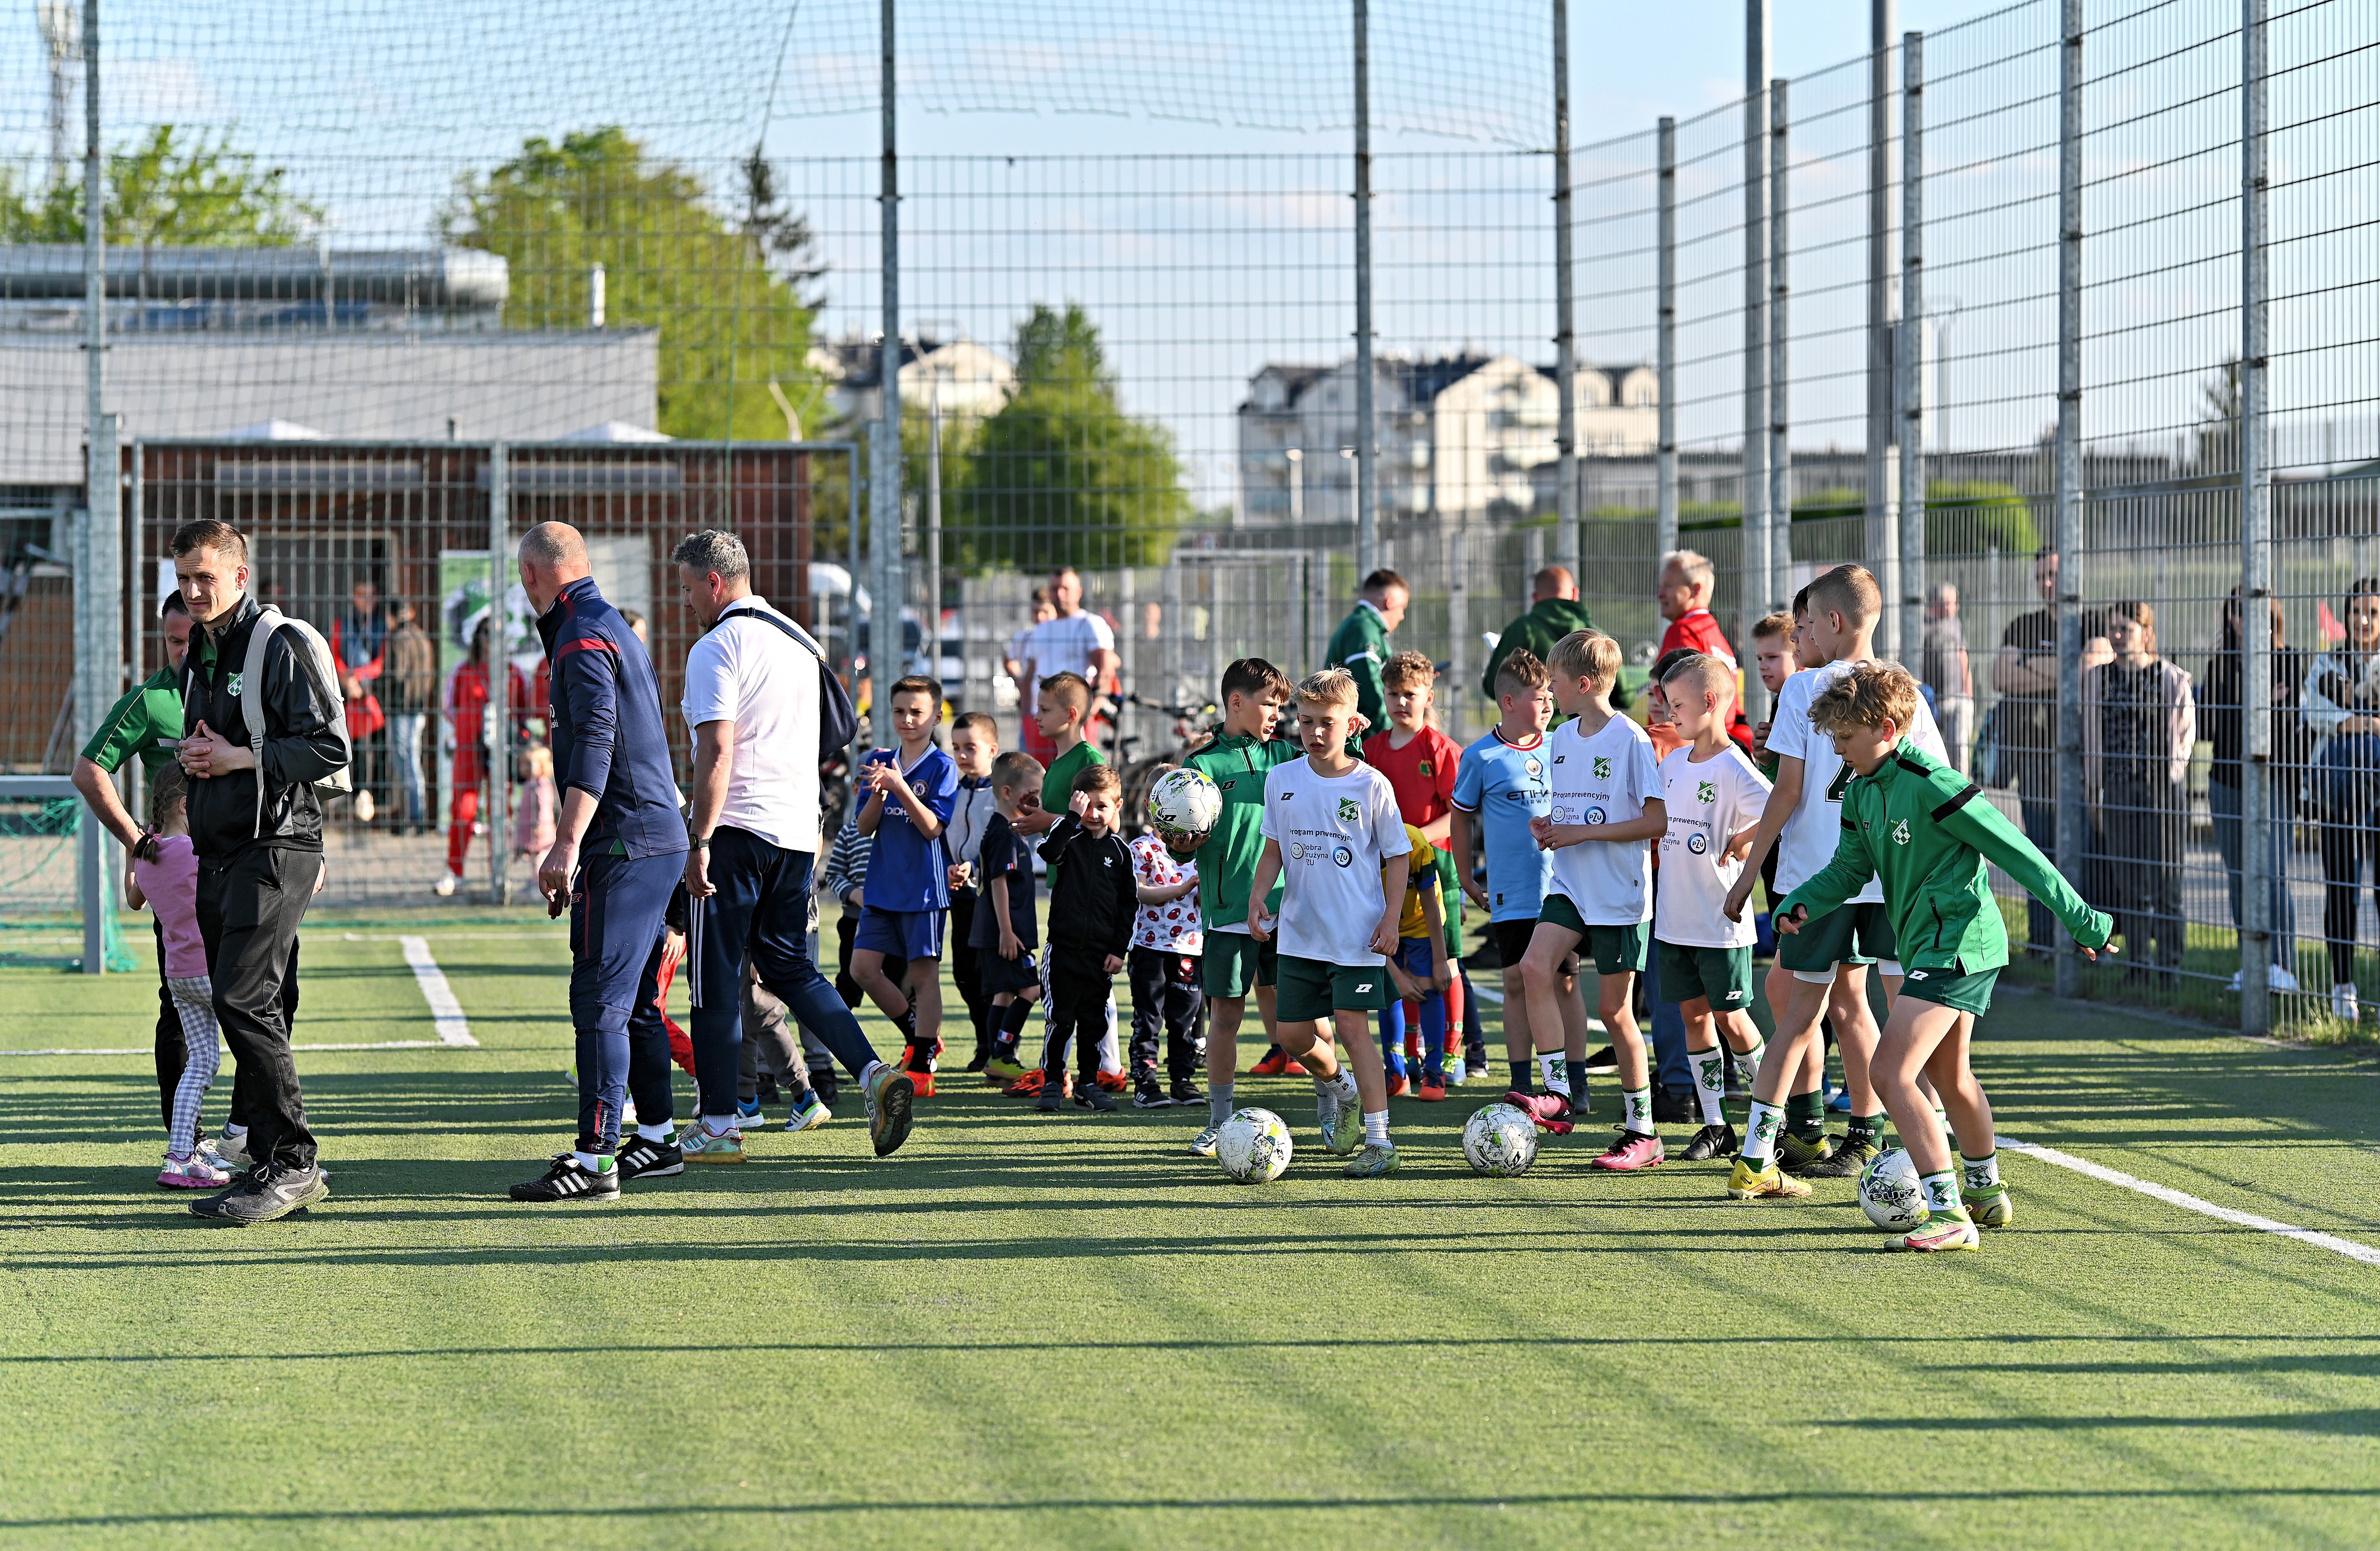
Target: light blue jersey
x,y
1506,787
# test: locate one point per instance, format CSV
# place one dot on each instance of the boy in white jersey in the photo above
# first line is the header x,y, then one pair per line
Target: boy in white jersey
x,y
1821,972
1333,837
1711,795
1606,807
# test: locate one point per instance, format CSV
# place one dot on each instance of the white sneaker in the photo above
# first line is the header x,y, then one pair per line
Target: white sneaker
x,y
2281,979
192,1171
227,1153
444,886
1455,1075
2343,1004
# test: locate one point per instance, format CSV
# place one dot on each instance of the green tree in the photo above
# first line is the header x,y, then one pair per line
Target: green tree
x,y
724,292
172,189
1060,475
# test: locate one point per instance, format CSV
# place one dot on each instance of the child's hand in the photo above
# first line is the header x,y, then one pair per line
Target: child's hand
x,y
1541,829
1011,944
1737,895
1112,964
1384,935
1792,925
1476,892
1260,925
1080,804
958,875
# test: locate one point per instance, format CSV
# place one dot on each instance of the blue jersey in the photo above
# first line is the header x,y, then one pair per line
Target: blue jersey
x,y
909,871
1505,787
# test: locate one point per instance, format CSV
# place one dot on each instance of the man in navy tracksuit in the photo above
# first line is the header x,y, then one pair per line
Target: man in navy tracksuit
x,y
619,850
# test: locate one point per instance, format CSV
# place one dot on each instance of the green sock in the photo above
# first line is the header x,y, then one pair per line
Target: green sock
x,y
1868,1129
1806,1115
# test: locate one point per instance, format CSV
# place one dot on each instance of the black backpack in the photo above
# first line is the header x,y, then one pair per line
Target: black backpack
x,y
838,719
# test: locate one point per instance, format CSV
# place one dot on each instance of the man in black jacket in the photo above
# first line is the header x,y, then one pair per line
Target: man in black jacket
x,y
257,826
1091,906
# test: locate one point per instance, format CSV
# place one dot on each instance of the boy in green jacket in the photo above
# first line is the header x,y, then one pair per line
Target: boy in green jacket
x,y
1918,825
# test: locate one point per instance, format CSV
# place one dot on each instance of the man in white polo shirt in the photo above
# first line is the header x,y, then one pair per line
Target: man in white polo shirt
x,y
753,701
1072,642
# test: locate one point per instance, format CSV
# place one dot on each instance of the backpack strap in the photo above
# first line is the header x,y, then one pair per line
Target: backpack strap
x,y
309,656
801,637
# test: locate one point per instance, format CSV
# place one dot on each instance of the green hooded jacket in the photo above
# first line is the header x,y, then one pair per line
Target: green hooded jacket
x,y
1227,859
1547,621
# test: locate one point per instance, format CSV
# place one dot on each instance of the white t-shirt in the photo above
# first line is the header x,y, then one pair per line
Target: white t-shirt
x,y
1334,834
1603,780
750,672
1708,804
1064,646
1816,826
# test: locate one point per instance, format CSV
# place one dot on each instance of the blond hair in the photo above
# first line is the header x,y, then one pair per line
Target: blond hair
x,y
1586,654
1868,695
1331,686
1850,591
1407,668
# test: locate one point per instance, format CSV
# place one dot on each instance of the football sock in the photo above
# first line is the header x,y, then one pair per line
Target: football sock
x,y
1866,1128
1982,1173
589,1162
654,1132
1523,1078
717,1125
1013,1020
1806,1115
1554,1072
1710,1081
1750,1061
1342,1086
1940,1191
1636,1110
1376,1127
1392,1056
1219,1101
1760,1133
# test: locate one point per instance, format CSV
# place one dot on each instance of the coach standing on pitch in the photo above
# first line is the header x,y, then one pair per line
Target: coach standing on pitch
x,y
256,823
754,697
618,848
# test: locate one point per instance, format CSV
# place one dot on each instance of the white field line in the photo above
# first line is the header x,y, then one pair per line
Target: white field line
x,y
2189,1203
445,1014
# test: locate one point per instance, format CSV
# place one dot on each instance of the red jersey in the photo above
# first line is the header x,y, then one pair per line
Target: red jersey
x,y
1699,631
1421,774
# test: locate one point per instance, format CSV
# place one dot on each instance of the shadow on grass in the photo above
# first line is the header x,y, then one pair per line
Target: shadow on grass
x,y
2345,1423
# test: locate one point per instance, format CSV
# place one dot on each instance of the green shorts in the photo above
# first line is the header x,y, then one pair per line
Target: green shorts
x,y
1450,895
1615,949
1722,975
1848,934
1953,988
1236,964
1311,988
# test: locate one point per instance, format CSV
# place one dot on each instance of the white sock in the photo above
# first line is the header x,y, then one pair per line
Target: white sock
x,y
653,1133
1553,1074
1760,1132
1710,1081
1981,1173
588,1161
1342,1086
717,1125
1941,1191
1376,1127
233,1132
1751,1060
1636,1110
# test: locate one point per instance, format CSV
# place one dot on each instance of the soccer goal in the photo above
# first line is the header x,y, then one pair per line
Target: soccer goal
x,y
58,901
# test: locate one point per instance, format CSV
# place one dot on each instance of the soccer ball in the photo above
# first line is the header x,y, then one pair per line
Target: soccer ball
x,y
1889,1193
1501,1141
1184,804
1254,1147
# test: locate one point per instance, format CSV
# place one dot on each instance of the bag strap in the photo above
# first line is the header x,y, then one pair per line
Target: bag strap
x,y
801,637
252,698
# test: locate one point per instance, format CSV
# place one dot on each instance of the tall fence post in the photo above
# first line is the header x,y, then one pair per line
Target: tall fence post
x,y
1755,566
1883,479
1568,545
1367,461
2068,602
1665,455
1909,357
496,737
1774,590
2257,847
884,626
99,667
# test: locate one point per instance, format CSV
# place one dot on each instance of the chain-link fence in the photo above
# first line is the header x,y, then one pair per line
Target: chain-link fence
x,y
1934,308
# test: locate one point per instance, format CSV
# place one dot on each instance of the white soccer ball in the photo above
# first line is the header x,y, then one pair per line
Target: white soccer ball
x,y
1254,1147
1501,1141
1183,806
1889,1193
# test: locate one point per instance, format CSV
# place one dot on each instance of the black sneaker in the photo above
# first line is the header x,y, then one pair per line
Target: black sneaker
x,y
1089,1094
1054,1097
1602,1063
1149,1096
568,1181
1675,1107
1710,1142
764,1090
1186,1092
639,1158
822,1083
1848,1159
982,1056
268,1192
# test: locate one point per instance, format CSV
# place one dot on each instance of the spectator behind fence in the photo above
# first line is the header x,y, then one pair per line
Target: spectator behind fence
x,y
256,737
408,684
358,637
1943,668
2220,718
1554,612
1069,641
1013,662
467,709
2342,709
2140,722
2025,675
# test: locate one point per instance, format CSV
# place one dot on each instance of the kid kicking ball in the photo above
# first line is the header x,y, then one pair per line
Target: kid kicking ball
x,y
1183,806
1501,1141
1253,1146
1889,1193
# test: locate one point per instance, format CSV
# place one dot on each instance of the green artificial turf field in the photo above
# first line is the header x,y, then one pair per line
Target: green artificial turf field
x,y
1028,1330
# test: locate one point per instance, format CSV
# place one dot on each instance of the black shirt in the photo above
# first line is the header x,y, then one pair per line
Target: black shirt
x,y
2027,724
2220,722
1091,897
1004,860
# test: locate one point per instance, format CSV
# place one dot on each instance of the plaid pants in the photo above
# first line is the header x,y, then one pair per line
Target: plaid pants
x,y
194,999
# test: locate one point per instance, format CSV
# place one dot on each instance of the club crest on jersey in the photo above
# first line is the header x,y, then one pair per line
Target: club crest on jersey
x,y
1901,831
231,684
1535,767
1603,766
1348,811
1698,843
1706,791
1424,770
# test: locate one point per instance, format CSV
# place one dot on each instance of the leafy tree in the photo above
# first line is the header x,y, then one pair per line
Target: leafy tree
x,y
1060,475
172,189
725,294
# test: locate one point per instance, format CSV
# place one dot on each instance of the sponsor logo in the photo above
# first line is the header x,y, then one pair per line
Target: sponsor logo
x,y
1343,856
1706,791
1603,766
1227,786
1363,986
1901,831
1287,795
1917,974
1297,851
1698,843
1596,815
1348,811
